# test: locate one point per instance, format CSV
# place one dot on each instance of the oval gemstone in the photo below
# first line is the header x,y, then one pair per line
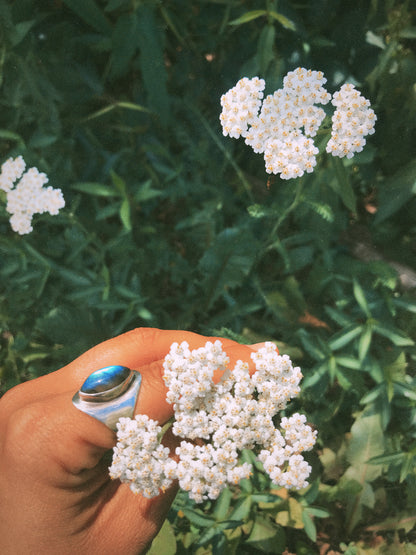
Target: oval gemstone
x,y
105,379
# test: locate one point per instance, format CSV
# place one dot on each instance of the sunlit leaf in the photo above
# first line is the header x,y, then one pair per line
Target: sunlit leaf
x,y
248,16
283,20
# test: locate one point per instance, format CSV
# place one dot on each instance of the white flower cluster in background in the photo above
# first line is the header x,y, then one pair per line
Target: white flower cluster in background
x,y
28,196
282,125
217,421
353,119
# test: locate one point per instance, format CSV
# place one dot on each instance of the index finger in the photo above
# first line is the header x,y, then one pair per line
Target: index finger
x,y
136,349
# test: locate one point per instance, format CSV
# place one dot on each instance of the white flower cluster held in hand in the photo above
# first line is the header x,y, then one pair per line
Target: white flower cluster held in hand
x,y
28,196
281,126
217,421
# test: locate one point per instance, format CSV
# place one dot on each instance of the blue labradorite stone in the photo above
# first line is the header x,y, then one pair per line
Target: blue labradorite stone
x,y
105,379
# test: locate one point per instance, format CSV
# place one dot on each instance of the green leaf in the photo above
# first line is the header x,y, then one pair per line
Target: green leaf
x,y
344,337
405,390
342,186
367,441
248,16
95,189
20,30
309,526
227,262
91,14
395,191
145,192
152,61
266,536
111,107
372,395
125,214
365,341
349,362
360,298
222,504
397,337
390,458
283,20
323,210
11,136
260,211
198,519
265,53
242,508
165,541
125,43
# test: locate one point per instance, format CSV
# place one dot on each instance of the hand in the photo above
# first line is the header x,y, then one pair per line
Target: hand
x,y
55,493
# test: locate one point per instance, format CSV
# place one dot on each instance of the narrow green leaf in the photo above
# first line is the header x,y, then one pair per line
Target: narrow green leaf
x,y
265,53
342,186
312,379
119,183
319,513
373,394
408,467
242,508
344,337
283,20
248,16
349,362
95,189
125,214
405,390
152,61
20,30
130,106
222,504
88,11
360,298
390,458
365,341
111,107
309,525
198,519
11,136
395,336
145,192
125,43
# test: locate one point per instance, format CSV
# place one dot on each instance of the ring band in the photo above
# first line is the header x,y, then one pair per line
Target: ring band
x,y
109,394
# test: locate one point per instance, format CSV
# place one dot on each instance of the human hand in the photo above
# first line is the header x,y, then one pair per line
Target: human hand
x,y
56,496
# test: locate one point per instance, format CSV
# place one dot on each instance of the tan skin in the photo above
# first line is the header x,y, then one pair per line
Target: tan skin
x,y
55,493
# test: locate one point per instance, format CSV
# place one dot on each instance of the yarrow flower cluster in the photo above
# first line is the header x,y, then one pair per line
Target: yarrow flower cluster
x,y
281,126
353,119
28,196
217,421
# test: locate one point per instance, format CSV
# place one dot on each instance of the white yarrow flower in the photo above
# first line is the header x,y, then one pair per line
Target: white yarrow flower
x,y
282,126
353,120
26,194
235,414
240,106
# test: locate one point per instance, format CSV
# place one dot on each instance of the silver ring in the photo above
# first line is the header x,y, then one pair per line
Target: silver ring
x,y
109,393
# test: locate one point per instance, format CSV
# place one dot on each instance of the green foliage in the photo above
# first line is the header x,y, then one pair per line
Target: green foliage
x,y
169,224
